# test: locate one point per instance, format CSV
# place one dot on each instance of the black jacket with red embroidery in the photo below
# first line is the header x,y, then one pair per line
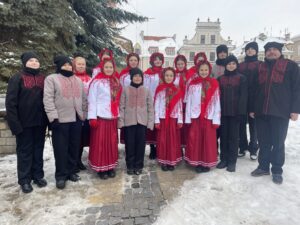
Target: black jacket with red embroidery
x,y
276,89
24,102
249,70
234,92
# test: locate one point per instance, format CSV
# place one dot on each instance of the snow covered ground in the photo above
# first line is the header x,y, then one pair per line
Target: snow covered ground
x,y
215,198
223,198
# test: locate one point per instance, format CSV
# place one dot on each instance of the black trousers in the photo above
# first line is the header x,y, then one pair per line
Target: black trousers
x,y
85,138
30,148
271,133
252,146
229,136
135,143
66,145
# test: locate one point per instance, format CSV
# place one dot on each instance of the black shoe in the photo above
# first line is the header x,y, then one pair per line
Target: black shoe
x,y
81,166
138,172
111,173
231,168
103,175
202,169
222,165
171,168
60,184
74,177
259,172
241,153
198,169
40,182
26,188
164,167
152,154
277,178
130,171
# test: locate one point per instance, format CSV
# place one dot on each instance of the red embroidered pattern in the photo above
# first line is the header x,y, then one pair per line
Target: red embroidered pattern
x,y
70,88
30,82
277,72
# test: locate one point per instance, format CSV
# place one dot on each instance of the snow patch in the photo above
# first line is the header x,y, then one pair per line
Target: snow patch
x,y
220,197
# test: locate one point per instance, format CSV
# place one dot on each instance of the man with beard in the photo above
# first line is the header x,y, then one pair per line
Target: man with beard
x,y
275,100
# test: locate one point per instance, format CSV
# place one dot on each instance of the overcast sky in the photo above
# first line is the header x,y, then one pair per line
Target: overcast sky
x,y
240,19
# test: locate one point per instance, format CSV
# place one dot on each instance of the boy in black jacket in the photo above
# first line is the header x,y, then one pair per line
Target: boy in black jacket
x,y
27,120
249,68
233,87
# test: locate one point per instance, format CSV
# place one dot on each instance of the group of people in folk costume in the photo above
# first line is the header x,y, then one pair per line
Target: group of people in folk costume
x,y
170,109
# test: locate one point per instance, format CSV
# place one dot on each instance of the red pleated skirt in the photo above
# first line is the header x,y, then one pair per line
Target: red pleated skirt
x,y
151,136
201,144
103,153
168,143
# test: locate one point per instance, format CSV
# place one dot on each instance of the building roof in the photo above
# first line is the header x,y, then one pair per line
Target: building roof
x,y
155,38
261,41
161,42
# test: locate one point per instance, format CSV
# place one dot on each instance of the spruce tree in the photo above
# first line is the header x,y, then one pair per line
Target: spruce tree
x,y
52,27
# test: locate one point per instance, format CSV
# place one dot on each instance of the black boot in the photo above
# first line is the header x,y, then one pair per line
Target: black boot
x,y
202,169
130,171
152,154
259,172
171,168
60,184
138,172
222,165
103,175
26,188
277,178
40,182
74,177
231,167
111,173
164,167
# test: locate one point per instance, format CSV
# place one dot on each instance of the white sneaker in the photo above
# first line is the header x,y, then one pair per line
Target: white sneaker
x,y
253,156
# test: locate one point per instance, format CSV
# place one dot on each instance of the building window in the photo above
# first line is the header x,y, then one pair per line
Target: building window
x,y
170,51
152,50
202,41
212,56
192,55
213,39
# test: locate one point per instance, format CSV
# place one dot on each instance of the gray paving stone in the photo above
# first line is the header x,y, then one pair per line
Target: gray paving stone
x,y
102,222
128,222
115,221
90,220
135,185
134,213
141,220
145,212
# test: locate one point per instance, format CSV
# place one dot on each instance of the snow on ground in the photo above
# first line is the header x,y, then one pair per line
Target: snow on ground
x,y
223,198
46,205
215,198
